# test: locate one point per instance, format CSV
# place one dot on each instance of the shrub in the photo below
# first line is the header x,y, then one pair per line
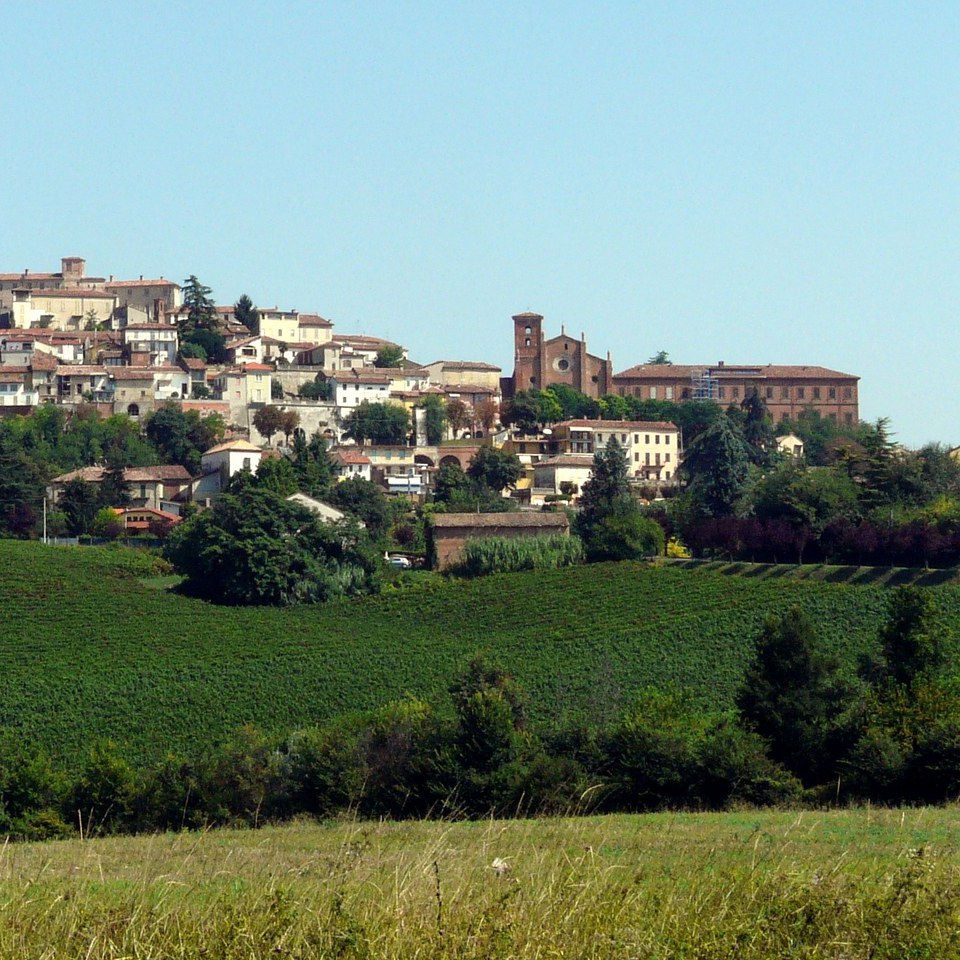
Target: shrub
x,y
625,536
488,555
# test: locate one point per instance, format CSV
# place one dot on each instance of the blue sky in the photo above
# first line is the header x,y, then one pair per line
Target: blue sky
x,y
752,182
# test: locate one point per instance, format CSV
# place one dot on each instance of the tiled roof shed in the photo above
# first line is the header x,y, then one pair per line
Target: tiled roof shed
x,y
448,532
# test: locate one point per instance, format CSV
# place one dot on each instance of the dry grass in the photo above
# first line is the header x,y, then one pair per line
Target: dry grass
x,y
853,884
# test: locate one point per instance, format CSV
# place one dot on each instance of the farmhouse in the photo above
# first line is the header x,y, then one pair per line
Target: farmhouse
x,y
448,532
148,486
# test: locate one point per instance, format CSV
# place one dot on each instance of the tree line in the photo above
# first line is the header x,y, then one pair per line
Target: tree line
x,y
801,733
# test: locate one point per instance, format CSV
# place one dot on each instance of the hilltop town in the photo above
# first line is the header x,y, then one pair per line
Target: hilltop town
x,y
135,346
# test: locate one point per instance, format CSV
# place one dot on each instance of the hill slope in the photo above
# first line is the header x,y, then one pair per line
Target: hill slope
x,y
91,651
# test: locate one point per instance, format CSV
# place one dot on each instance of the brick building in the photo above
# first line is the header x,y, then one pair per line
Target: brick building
x,y
539,363
448,532
786,390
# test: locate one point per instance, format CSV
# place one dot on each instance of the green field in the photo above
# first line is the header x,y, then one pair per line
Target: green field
x,y
91,650
847,885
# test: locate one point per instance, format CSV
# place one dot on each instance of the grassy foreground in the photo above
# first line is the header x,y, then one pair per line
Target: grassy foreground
x,y
844,884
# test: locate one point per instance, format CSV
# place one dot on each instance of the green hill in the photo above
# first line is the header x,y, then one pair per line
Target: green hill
x,y
91,650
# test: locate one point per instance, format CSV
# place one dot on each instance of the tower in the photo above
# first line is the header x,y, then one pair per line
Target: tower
x,y
527,351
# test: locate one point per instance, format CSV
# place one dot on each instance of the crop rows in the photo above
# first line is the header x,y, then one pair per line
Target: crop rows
x,y
90,651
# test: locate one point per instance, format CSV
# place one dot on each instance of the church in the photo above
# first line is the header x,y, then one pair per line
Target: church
x,y
540,363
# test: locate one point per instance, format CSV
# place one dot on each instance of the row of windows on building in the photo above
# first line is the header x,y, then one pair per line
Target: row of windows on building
x,y
646,461
636,438
737,392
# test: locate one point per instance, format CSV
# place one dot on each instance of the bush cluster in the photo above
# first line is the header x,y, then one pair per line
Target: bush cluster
x,y
800,733
866,542
488,555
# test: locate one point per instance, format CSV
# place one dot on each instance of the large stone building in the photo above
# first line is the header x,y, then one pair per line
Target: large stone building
x,y
539,363
69,299
786,390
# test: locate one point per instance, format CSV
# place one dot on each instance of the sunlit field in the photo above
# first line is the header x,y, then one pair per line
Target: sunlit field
x,y
847,884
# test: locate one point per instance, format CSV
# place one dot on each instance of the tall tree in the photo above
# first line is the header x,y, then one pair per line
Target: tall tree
x,y
758,429
661,357
716,466
496,469
365,501
389,355
246,313
381,423
522,412
788,698
268,420
437,414
312,465
114,488
573,404
80,502
911,640
181,437
610,522
289,421
255,547
458,415
200,307
487,412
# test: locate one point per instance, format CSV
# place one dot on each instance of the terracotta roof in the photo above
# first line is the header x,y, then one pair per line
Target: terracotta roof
x,y
193,363
528,316
44,361
8,377
466,388
503,520
159,472
81,370
350,456
614,426
361,375
132,373
565,460
150,326
161,514
465,365
398,372
238,446
31,276
294,345
674,371
361,340
130,474
76,292
142,283
256,367
313,320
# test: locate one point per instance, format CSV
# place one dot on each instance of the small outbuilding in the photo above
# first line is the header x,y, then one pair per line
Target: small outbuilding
x,y
448,532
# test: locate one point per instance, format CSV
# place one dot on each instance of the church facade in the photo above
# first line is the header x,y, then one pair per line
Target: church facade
x,y
540,363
